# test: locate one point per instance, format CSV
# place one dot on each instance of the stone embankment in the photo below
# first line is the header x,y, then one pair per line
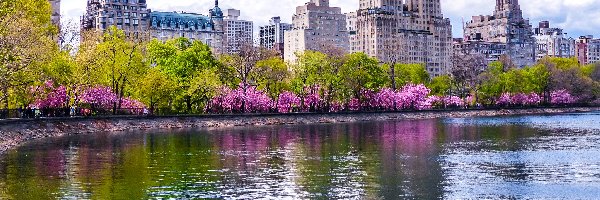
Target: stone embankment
x,y
17,132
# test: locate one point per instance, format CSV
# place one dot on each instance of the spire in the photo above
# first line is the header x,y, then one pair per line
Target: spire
x,y
216,3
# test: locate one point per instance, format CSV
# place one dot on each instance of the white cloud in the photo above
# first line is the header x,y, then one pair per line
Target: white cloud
x,y
578,17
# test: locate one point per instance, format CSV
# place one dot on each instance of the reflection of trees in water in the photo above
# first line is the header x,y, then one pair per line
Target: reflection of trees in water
x,y
369,160
410,165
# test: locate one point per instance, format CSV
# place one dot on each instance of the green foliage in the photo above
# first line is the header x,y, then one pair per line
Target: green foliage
x,y
192,68
25,47
155,89
362,72
409,73
440,85
272,76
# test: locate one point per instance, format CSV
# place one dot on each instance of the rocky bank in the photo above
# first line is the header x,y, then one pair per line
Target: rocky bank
x,y
16,132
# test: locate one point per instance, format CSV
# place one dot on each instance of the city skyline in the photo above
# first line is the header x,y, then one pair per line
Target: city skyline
x,y
578,18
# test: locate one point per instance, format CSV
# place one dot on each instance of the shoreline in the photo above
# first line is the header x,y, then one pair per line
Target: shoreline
x,y
14,133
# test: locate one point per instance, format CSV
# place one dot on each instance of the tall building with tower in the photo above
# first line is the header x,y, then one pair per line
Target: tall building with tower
x,y
404,31
507,26
316,26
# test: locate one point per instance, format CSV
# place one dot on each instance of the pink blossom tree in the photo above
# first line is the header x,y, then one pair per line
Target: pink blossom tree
x,y
287,102
244,99
49,96
561,97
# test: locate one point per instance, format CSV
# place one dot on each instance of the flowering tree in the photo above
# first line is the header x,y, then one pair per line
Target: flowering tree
x,y
354,104
49,96
287,102
413,95
560,97
100,97
312,99
453,102
504,100
244,99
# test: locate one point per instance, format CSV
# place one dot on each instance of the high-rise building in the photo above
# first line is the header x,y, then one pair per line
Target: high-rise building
x,y
237,32
405,31
272,36
55,12
351,26
552,42
129,15
208,29
587,50
508,26
316,26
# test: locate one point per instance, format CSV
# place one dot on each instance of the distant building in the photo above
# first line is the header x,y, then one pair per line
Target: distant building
x,y
587,50
316,26
491,51
130,16
411,31
272,36
208,29
352,26
508,26
237,32
133,17
552,42
55,12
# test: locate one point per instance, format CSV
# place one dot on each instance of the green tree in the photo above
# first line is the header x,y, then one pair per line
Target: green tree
x,y
361,72
440,85
410,73
155,89
121,61
272,75
188,63
25,46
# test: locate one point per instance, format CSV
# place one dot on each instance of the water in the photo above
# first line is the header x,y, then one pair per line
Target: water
x,y
525,157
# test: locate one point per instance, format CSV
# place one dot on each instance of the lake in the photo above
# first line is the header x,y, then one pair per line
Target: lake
x,y
518,157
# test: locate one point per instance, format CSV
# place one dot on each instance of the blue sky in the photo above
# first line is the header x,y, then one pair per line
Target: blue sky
x,y
577,17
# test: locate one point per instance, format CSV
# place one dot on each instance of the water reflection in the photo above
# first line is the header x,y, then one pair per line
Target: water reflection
x,y
424,159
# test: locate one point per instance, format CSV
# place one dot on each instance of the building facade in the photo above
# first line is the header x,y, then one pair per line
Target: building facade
x,y
351,26
55,12
552,42
491,51
316,26
272,36
508,26
405,31
237,32
587,50
129,15
169,25
133,17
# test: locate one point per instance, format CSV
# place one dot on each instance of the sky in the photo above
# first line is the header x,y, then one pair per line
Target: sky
x,y
577,17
